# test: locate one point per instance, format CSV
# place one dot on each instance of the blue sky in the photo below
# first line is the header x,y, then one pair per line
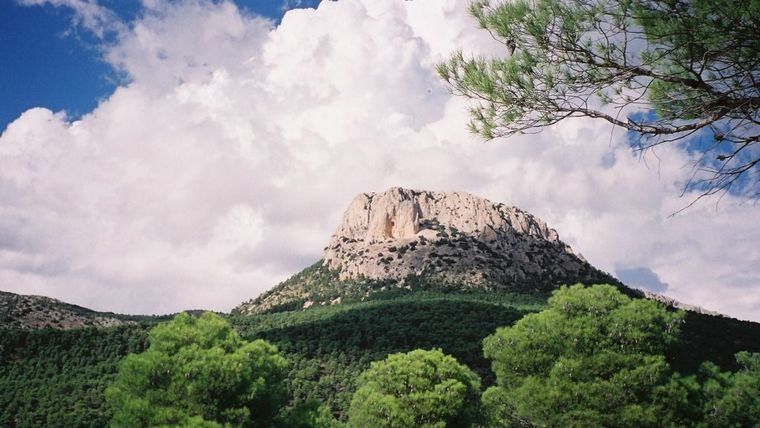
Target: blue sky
x,y
45,61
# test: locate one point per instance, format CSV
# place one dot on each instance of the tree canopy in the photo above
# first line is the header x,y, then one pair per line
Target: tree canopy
x,y
595,357
733,399
53,377
667,70
197,371
418,388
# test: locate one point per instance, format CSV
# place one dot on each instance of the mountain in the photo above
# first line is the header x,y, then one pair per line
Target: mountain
x,y
453,268
32,312
402,239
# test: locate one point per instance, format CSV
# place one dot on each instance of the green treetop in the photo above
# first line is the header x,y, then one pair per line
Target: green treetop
x,y
593,358
733,399
198,372
416,389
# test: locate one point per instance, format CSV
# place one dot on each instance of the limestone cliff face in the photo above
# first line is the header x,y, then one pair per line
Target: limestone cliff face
x,y
454,236
401,214
402,239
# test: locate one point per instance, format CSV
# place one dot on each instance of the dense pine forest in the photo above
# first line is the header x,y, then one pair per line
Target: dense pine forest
x,y
57,378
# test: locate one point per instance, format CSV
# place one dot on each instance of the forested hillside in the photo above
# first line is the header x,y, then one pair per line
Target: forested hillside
x,y
55,377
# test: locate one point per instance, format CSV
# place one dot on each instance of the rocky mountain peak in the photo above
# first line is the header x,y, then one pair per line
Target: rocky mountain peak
x,y
404,240
454,236
399,214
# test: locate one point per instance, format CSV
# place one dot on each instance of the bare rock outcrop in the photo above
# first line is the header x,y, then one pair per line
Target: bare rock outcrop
x,y
673,303
452,236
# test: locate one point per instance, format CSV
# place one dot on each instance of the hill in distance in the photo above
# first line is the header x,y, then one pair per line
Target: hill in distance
x,y
33,312
29,312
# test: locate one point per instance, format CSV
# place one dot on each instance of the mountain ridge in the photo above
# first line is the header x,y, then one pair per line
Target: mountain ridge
x,y
33,312
407,239
388,244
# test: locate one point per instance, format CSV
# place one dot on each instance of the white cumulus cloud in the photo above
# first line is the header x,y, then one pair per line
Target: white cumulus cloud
x,y
225,163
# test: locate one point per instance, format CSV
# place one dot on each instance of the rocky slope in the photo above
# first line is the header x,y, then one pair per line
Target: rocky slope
x,y
401,237
673,303
33,312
